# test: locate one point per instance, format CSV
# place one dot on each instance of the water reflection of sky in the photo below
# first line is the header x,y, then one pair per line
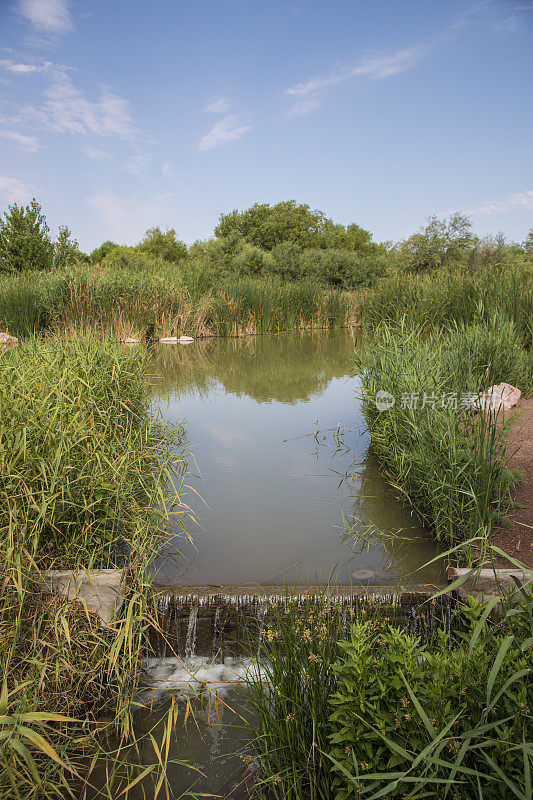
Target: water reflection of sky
x,y
274,501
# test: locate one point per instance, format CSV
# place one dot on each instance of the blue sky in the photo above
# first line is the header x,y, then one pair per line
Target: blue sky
x,y
123,114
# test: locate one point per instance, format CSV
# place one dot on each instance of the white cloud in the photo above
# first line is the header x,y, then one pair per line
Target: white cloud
x,y
19,68
13,191
29,143
52,16
97,155
67,110
511,202
371,66
219,106
126,219
166,169
224,131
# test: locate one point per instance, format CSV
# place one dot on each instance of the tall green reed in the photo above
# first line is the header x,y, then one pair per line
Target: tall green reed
x,y
89,479
448,462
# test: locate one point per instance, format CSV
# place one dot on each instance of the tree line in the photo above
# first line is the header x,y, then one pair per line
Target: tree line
x,y
285,241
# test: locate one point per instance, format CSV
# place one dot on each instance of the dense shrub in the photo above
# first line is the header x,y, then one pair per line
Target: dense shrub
x,y
465,703
342,269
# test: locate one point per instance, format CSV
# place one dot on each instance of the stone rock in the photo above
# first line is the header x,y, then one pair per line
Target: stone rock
x,y
363,574
502,395
176,340
484,584
7,341
99,590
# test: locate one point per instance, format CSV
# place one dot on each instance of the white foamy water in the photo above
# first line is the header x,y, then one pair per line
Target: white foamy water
x,y
196,672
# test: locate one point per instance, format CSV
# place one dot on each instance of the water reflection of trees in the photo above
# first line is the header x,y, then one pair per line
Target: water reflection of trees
x,y
287,368
378,518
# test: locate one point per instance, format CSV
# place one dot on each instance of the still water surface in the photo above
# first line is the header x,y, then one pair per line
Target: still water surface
x,y
274,495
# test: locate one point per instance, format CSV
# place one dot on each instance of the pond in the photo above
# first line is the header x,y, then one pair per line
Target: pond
x,y
282,462
283,477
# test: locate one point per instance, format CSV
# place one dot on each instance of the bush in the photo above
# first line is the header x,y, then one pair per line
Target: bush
x,y
131,258
163,246
341,269
465,704
99,253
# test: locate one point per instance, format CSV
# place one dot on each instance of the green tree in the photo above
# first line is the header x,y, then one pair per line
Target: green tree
x,y
268,226
25,242
442,242
528,243
164,246
66,249
99,253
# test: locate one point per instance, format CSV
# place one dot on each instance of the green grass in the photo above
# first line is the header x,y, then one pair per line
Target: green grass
x,y
459,295
378,713
151,304
85,468
448,463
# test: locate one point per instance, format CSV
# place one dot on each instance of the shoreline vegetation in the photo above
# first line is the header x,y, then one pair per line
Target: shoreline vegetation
x,y
88,479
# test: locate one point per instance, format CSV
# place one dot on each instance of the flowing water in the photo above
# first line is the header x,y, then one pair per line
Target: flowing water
x,y
284,478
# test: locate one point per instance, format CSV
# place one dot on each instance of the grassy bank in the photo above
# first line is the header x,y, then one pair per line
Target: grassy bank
x,y
380,714
151,303
455,295
81,478
447,462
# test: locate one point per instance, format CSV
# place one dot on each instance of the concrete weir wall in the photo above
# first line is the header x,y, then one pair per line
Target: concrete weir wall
x,y
216,623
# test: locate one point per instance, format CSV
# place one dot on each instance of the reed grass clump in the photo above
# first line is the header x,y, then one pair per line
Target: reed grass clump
x,y
455,296
448,462
164,300
81,456
89,478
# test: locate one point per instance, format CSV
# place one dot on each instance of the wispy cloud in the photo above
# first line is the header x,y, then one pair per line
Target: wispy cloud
x,y
219,106
372,66
227,130
19,68
97,155
519,201
52,16
13,191
67,110
127,218
29,143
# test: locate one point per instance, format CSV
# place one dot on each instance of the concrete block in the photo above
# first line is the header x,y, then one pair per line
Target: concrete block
x,y
100,590
484,584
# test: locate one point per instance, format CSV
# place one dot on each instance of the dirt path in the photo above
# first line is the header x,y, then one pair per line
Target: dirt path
x,y
517,540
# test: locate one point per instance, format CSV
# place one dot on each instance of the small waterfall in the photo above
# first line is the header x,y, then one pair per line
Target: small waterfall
x,y
200,629
190,639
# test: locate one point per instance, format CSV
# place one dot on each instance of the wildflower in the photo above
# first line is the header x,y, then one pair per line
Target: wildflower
x,y
408,717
